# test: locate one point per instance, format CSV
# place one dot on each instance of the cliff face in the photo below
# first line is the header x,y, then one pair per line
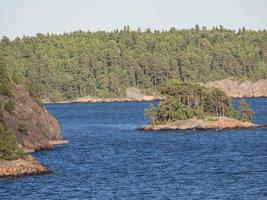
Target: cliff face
x,y
32,125
244,89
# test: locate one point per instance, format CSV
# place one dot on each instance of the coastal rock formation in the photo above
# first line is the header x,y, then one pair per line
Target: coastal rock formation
x,y
244,89
32,125
232,88
21,167
133,94
190,124
90,99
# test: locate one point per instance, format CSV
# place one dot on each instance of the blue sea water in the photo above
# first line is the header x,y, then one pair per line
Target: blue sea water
x,y
108,158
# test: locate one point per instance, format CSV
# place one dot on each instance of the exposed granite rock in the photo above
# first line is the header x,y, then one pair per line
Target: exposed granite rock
x,y
133,94
32,125
219,123
244,89
89,99
21,167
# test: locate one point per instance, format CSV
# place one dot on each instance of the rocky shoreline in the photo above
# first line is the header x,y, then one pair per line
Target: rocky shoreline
x,y
241,89
106,100
233,88
27,166
195,124
22,167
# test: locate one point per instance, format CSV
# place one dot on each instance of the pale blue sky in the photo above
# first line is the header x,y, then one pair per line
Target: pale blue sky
x,y
28,17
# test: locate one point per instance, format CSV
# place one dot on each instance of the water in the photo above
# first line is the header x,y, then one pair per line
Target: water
x,y
107,158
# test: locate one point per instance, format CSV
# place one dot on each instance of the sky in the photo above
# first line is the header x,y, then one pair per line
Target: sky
x,y
28,17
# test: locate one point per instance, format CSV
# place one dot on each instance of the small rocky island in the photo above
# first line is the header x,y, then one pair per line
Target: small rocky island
x,y
193,106
25,126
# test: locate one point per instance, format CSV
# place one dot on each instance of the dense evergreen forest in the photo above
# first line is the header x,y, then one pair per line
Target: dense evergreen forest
x,y
187,100
104,64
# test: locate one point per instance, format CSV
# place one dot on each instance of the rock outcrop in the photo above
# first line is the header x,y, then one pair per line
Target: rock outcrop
x,y
89,99
34,129
245,89
190,124
133,94
32,125
21,167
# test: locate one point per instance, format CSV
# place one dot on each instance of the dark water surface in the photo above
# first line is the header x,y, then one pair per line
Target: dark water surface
x,y
107,158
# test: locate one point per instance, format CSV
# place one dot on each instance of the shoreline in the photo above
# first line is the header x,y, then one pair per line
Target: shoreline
x,y
122,100
232,87
195,124
22,167
53,143
26,166
105,100
145,99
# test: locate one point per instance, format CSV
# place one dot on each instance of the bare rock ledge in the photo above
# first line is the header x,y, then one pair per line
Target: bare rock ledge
x,y
22,167
191,124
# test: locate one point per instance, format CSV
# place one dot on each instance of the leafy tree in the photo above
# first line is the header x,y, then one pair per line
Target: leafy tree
x,y
151,113
4,80
246,112
187,100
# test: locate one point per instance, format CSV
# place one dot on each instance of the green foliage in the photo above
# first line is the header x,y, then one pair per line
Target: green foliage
x,y
4,80
34,91
151,113
211,118
8,146
9,106
170,110
105,63
246,112
187,100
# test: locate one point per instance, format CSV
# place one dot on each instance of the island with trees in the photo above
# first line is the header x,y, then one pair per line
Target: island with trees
x,y
194,106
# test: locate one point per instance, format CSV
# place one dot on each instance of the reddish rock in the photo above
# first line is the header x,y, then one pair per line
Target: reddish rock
x,y
21,167
245,89
32,125
219,123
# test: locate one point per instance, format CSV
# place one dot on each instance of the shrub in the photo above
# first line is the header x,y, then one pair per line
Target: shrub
x,y
211,118
151,113
9,106
8,145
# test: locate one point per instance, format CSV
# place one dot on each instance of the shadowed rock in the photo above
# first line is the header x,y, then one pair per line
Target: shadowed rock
x,y
32,125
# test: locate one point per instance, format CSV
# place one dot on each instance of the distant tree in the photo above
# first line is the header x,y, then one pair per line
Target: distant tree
x,y
187,100
151,113
4,79
246,112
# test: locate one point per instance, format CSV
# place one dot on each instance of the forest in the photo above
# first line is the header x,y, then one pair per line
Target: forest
x,y
184,101
104,64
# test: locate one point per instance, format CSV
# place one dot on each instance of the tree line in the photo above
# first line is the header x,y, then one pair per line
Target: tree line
x,y
104,64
